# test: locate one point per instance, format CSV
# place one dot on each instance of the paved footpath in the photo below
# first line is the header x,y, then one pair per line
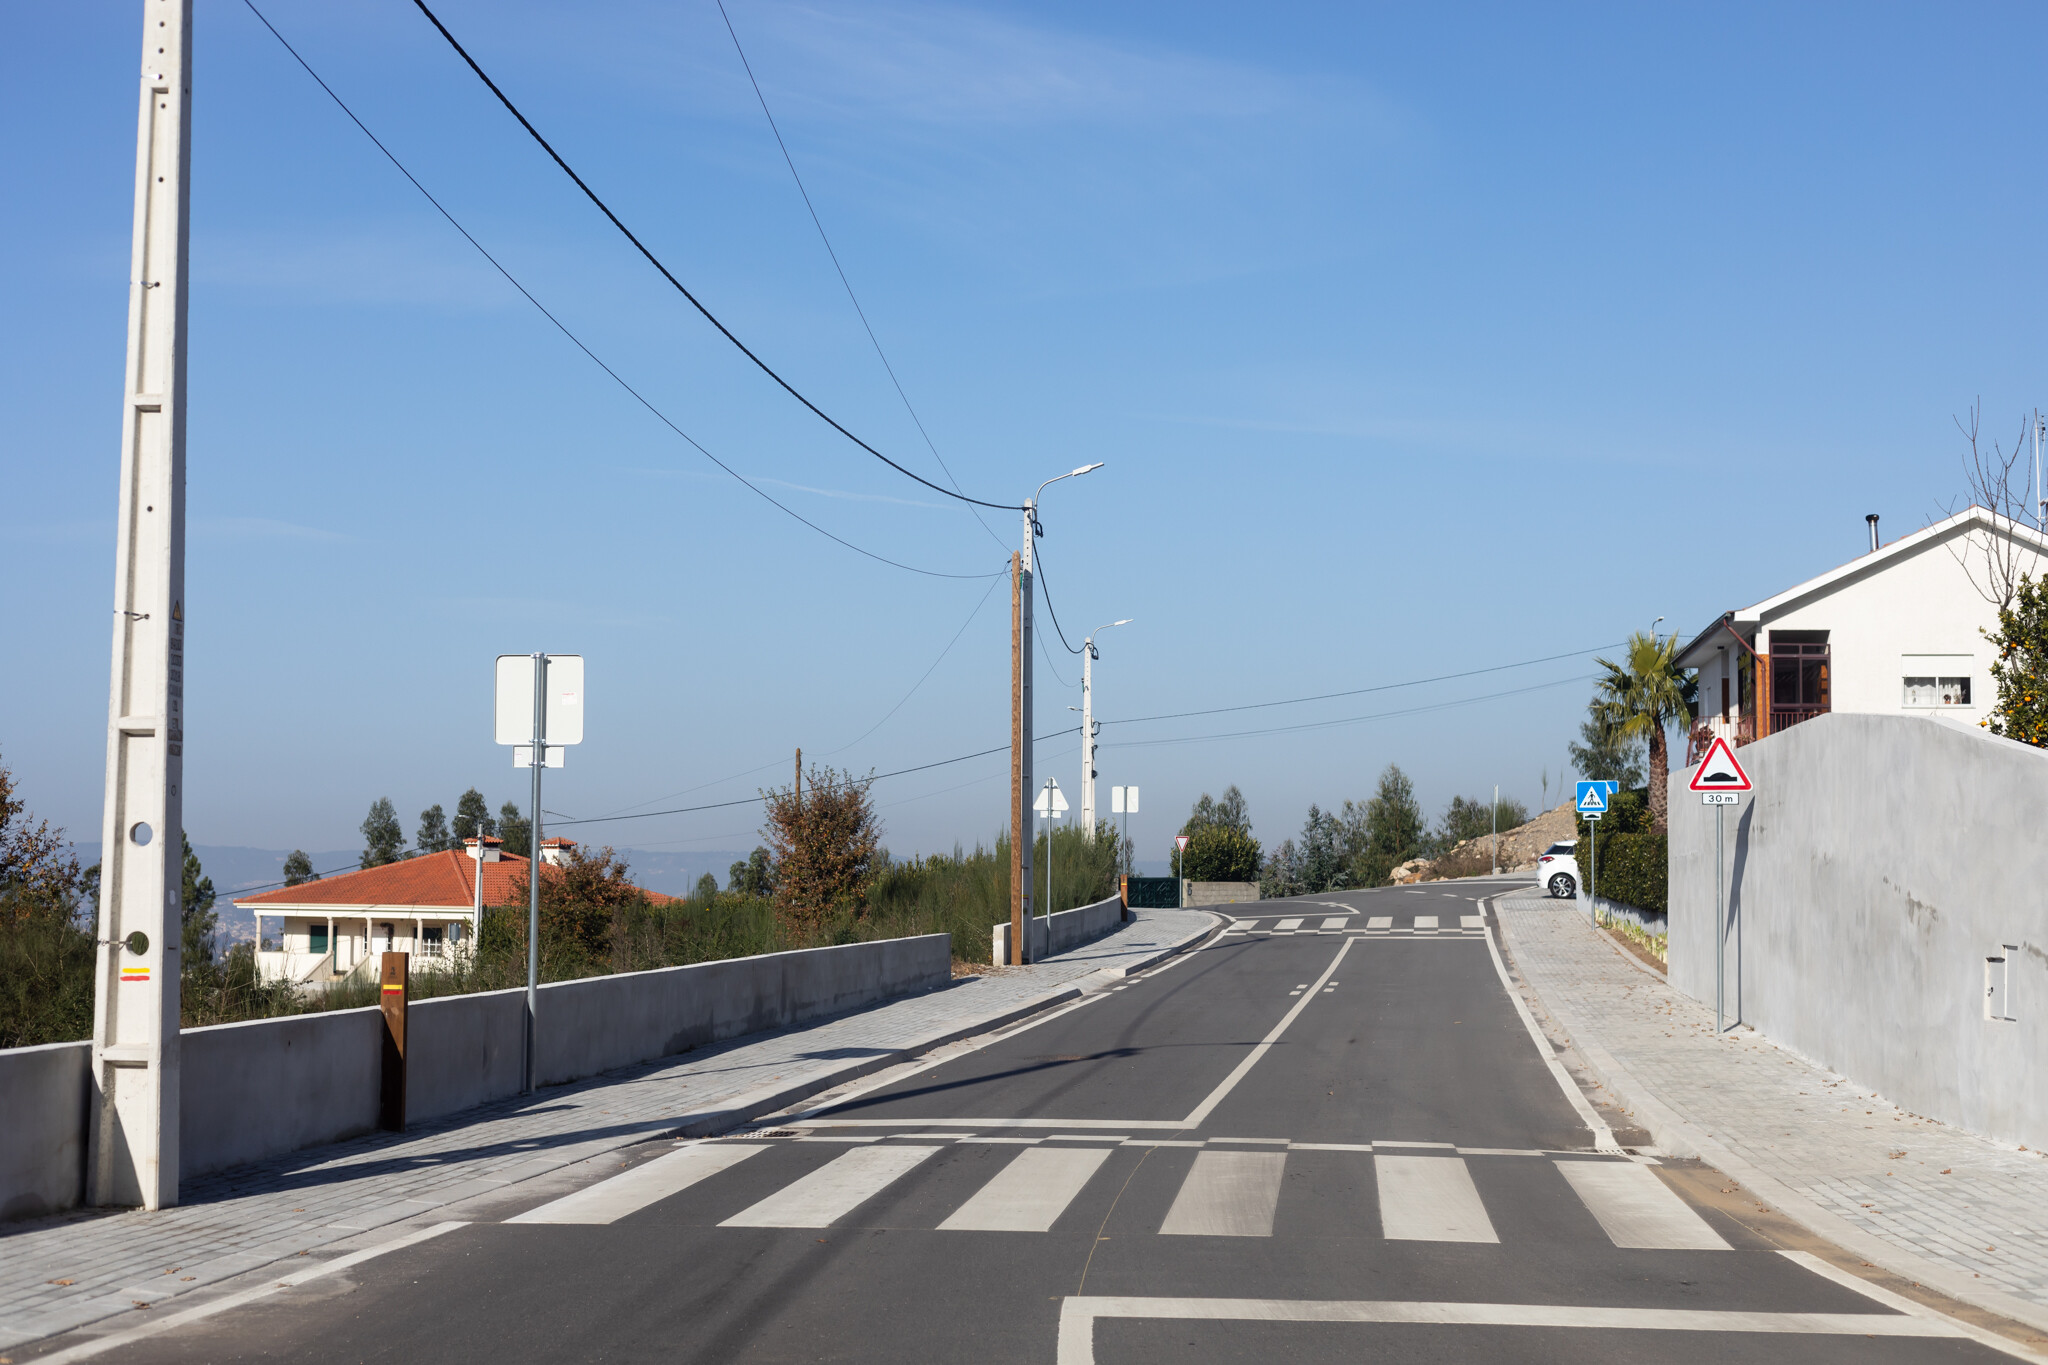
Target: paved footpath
x,y
60,1273
1959,1213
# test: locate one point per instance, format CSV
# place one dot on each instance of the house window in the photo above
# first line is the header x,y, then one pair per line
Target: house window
x,y
1926,691
430,942
316,939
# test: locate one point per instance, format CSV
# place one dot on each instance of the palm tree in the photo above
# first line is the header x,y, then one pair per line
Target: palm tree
x,y
1641,696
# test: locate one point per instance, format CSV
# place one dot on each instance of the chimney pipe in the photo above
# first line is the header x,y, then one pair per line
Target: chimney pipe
x,y
1872,519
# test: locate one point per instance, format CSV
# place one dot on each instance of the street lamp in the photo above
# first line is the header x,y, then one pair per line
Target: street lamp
x,y
1089,655
1020,720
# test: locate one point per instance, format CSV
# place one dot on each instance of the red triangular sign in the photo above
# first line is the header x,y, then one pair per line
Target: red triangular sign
x,y
1718,771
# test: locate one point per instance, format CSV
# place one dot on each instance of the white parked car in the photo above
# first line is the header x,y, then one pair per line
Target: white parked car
x,y
1557,871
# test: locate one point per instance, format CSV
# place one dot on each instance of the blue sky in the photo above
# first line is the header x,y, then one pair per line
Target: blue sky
x,y
1415,340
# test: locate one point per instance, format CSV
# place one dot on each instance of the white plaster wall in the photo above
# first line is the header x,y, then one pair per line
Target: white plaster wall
x,y
1879,862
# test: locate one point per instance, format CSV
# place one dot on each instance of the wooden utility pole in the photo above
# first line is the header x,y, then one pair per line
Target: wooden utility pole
x,y
1017,778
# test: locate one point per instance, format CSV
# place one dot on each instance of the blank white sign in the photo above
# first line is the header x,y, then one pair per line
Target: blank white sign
x,y
514,712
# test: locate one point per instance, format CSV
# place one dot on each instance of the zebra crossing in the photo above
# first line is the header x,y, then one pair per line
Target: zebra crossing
x,y
1232,1188
1363,926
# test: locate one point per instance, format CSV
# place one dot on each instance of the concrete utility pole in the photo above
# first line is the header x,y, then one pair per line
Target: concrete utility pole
x,y
132,1155
1089,655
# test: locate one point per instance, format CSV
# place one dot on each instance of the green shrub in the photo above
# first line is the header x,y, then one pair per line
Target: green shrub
x,y
1219,853
1632,870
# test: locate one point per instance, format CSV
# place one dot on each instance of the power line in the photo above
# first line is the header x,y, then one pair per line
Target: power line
x,y
1345,720
1038,572
876,777
818,223
654,261
921,680
573,338
1356,691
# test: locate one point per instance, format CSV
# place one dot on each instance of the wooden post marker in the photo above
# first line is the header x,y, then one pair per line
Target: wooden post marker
x,y
396,976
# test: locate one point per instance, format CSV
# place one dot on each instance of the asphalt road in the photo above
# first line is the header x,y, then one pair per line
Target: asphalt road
x,y
1328,1134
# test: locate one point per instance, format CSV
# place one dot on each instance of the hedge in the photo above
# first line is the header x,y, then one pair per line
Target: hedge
x,y
1633,870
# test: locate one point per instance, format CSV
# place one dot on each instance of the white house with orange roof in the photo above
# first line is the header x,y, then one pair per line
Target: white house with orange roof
x,y
425,906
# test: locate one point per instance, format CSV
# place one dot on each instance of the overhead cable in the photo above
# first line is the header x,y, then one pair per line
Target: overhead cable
x,y
819,224
638,397
1356,691
655,261
1344,720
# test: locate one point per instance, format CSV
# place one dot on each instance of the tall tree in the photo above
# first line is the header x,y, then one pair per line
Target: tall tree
x,y
298,869
826,843
200,921
383,839
707,889
755,876
1229,813
473,817
1603,754
1393,828
38,872
433,836
1321,867
1280,877
516,830
1643,695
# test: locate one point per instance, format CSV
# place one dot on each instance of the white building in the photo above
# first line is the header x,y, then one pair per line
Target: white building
x,y
425,906
1897,630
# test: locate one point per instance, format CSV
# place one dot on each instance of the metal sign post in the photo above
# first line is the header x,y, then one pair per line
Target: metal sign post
x,y
1180,880
1718,778
541,696
1052,803
1592,804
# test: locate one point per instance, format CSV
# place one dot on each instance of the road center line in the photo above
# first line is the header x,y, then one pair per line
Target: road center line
x,y
1208,1106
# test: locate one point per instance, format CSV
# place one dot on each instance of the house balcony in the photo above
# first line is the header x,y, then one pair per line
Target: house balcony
x,y
1785,717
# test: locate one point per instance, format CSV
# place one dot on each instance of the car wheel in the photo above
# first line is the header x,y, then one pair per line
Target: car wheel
x,y
1562,885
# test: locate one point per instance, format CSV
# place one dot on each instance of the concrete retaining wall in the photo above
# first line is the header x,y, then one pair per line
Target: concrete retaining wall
x,y
1880,862
45,1100
254,1090
1220,893
1051,934
1615,911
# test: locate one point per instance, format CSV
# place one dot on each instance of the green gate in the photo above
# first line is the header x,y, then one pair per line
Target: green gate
x,y
1152,893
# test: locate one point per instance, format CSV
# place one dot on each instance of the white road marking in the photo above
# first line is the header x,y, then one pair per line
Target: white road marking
x,y
86,1349
985,1123
1379,922
1603,1136
1430,1199
1638,1210
1284,925
670,1173
1208,1106
1227,1194
1078,1316
1425,921
1900,1303
1472,921
1337,922
834,1190
1030,1193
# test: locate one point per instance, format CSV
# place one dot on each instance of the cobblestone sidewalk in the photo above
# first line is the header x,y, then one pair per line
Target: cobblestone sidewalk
x,y
1959,1213
60,1273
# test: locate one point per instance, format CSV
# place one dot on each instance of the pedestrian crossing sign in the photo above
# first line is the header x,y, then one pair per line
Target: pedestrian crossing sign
x,y
1593,797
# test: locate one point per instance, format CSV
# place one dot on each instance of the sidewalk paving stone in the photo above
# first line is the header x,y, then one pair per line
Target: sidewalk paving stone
x,y
1948,1208
237,1220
